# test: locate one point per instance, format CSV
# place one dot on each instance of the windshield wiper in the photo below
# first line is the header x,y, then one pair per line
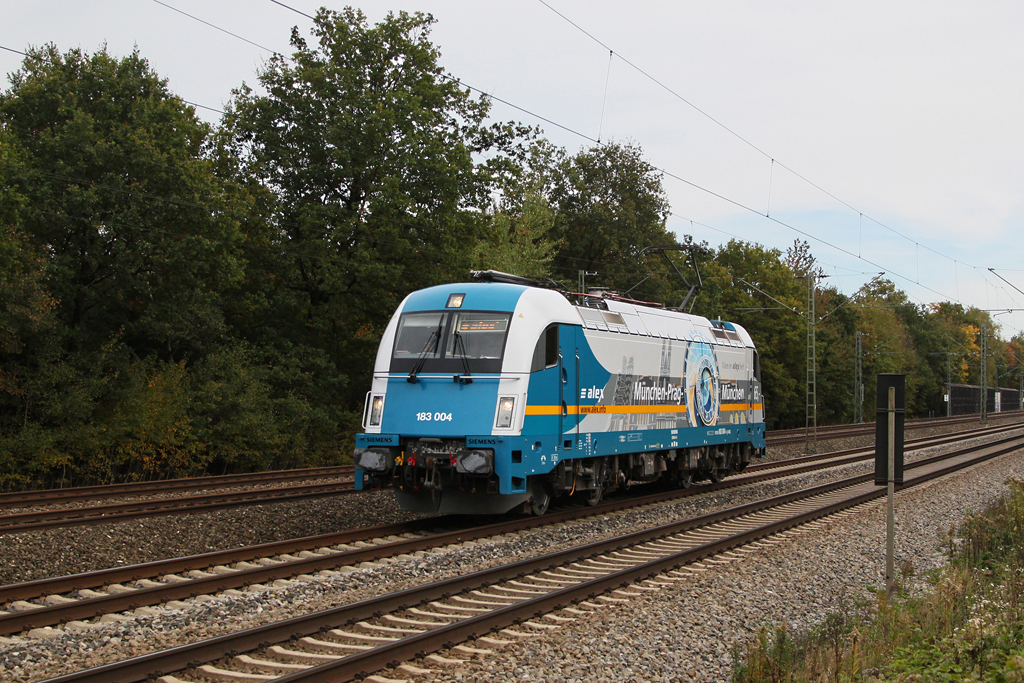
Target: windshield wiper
x,y
459,347
435,337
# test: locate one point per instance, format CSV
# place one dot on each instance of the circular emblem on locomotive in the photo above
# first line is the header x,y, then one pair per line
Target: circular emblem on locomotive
x,y
703,394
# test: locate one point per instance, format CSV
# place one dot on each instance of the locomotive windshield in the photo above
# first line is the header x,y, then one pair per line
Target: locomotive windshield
x,y
477,335
442,341
419,335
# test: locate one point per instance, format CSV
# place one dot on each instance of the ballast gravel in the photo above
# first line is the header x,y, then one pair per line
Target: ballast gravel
x,y
73,550
686,632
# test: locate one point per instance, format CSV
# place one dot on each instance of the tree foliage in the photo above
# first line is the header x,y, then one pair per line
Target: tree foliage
x,y
123,273
179,298
367,149
609,206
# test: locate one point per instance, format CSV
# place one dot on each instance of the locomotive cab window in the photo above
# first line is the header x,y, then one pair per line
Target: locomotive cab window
x,y
420,334
477,335
450,341
545,355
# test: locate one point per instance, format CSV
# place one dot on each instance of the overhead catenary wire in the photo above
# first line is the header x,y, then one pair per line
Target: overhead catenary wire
x,y
597,141
194,104
203,106
213,26
665,171
806,234
277,2
604,101
748,142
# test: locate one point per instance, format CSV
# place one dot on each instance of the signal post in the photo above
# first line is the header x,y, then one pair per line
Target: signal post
x,y
889,418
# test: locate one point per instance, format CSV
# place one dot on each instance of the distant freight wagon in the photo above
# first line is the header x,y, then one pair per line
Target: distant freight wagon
x,y
499,395
965,399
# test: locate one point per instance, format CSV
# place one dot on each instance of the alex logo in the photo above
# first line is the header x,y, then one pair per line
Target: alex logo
x,y
594,392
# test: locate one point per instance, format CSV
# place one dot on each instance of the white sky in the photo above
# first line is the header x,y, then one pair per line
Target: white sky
x,y
911,113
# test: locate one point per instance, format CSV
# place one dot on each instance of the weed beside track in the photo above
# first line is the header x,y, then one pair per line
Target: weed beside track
x,y
968,627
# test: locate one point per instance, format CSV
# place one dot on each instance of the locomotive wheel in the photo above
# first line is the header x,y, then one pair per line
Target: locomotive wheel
x,y
540,500
594,497
685,479
715,476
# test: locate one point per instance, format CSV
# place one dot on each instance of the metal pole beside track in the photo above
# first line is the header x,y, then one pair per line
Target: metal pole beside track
x,y
890,530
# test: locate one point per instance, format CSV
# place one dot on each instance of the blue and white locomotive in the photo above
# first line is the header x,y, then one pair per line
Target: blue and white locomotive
x,y
498,395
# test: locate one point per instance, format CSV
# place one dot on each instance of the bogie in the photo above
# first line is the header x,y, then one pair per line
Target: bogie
x,y
590,481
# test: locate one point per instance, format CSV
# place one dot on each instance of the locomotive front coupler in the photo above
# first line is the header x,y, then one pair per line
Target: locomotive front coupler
x,y
433,452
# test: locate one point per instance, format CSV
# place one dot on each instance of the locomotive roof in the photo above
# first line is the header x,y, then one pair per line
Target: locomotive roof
x,y
613,316
479,296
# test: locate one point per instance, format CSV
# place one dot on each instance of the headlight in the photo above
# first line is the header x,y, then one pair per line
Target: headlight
x,y
506,411
376,409
374,459
474,461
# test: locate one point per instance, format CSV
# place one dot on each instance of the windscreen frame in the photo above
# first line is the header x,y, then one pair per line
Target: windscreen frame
x,y
447,359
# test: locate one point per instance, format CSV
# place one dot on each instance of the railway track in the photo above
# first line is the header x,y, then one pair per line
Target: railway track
x,y
163,501
857,454
490,608
787,436
31,520
21,499
35,520
89,595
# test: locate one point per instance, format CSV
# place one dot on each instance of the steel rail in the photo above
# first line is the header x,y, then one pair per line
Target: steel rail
x,y
358,665
156,664
780,437
155,507
915,444
104,491
101,577
14,622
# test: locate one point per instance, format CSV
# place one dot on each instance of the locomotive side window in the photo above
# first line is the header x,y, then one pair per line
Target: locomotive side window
x,y
419,334
545,355
477,335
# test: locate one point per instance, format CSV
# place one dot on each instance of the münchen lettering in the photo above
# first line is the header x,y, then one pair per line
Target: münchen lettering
x,y
646,394
732,393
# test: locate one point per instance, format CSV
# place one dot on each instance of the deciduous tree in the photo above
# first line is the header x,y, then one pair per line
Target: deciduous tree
x,y
370,152
610,205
